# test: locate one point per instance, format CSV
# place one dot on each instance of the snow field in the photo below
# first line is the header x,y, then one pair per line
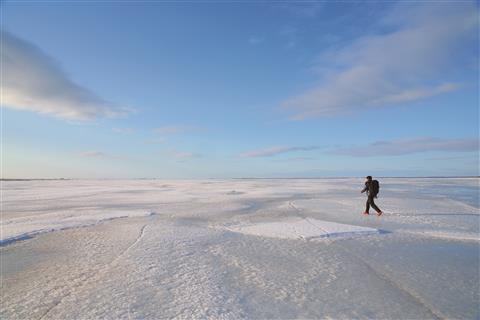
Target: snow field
x,y
232,249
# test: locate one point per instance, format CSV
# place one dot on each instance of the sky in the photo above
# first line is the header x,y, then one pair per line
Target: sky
x,y
236,89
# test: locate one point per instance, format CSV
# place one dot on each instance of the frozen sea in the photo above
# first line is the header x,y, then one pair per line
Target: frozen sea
x,y
239,249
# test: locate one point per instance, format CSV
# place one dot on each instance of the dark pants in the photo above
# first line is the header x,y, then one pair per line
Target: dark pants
x,y
371,202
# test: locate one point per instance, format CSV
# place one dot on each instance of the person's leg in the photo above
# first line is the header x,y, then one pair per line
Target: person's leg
x,y
372,203
367,205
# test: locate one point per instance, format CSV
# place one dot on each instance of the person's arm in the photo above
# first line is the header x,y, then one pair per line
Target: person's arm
x,y
364,189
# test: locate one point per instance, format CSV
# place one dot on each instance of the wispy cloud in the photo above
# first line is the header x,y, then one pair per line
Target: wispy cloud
x,y
407,64
289,33
156,141
93,154
186,155
254,40
463,157
174,129
273,151
296,159
309,9
183,156
410,146
34,81
164,132
123,130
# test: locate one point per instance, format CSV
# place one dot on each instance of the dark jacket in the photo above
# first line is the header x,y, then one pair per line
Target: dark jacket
x,y
369,189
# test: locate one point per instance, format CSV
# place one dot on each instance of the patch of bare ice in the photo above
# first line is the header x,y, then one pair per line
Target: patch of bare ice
x,y
296,228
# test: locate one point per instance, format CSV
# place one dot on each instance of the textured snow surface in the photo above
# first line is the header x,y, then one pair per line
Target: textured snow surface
x,y
303,229
239,249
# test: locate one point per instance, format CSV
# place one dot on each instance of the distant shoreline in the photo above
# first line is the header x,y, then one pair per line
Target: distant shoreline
x,y
246,178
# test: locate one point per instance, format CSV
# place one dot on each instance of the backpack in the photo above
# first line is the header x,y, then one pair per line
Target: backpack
x,y
375,188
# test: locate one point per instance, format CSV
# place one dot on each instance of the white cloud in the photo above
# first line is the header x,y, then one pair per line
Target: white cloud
x,y
410,146
273,151
410,63
33,81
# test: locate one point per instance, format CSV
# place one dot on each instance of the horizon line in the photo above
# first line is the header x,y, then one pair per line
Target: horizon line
x,y
243,178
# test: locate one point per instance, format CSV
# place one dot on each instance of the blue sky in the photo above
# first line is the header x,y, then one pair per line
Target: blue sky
x,y
213,89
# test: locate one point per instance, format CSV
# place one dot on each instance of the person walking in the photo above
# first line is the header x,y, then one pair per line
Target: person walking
x,y
372,187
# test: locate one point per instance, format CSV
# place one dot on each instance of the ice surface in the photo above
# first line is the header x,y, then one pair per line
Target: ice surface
x,y
230,249
303,229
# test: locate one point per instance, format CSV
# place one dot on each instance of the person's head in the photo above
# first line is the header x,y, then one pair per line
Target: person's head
x,y
369,178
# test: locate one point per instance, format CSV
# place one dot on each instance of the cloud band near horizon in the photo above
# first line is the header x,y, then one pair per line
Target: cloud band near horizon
x,y
273,151
410,146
